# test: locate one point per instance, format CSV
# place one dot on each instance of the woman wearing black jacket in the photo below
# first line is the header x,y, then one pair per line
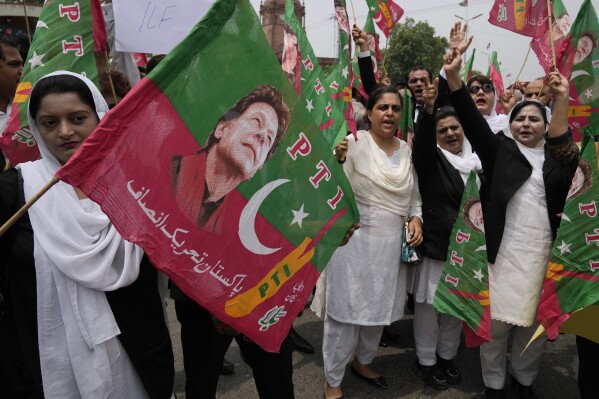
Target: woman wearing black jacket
x,y
443,159
528,170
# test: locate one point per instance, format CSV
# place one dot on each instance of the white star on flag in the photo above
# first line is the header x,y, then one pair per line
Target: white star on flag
x,y
564,247
309,105
299,216
345,72
373,8
588,93
36,60
41,24
478,275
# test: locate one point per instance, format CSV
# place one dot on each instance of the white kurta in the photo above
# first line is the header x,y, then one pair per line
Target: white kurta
x,y
516,278
425,278
366,284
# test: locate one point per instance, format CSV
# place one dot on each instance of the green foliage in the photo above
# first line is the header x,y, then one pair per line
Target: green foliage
x,y
414,44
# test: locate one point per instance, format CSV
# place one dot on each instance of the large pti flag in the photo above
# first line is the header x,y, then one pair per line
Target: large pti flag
x,y
572,280
525,17
583,110
541,43
386,14
172,167
66,36
463,289
305,74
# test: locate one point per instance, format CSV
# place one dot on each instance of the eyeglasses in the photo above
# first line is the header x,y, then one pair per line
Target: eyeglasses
x,y
487,88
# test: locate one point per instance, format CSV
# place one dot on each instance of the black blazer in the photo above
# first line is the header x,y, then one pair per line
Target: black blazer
x,y
441,188
506,169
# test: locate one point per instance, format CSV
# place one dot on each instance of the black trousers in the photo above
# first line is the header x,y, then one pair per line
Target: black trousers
x,y
204,350
588,367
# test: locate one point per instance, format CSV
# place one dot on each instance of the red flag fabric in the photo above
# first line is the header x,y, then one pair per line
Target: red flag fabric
x,y
386,14
140,59
541,43
99,30
227,184
527,18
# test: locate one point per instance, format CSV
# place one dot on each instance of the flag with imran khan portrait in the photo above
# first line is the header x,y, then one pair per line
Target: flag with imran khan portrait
x,y
463,289
572,280
525,17
583,57
386,14
541,43
251,251
304,72
66,35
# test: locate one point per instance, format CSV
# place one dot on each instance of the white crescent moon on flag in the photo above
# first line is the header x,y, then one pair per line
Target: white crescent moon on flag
x,y
379,19
578,73
247,220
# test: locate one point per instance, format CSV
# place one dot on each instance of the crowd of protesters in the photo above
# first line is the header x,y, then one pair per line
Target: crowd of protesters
x,y
72,288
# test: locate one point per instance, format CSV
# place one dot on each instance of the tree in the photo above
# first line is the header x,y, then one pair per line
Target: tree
x,y
414,44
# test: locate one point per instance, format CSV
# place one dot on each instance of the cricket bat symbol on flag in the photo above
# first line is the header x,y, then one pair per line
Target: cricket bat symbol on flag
x,y
216,169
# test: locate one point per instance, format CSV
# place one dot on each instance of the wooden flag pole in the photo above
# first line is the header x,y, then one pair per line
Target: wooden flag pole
x,y
550,22
523,65
107,68
351,2
27,205
27,22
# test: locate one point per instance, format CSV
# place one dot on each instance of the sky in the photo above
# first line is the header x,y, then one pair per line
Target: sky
x,y
511,48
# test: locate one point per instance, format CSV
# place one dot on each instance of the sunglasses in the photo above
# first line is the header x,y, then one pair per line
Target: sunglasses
x,y
487,88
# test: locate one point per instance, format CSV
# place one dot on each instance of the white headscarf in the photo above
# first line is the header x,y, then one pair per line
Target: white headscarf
x,y
78,255
465,161
535,155
495,121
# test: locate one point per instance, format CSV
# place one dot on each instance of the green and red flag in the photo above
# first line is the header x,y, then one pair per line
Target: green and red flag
x,y
320,98
252,256
466,72
541,43
386,14
528,18
495,74
66,36
406,125
340,77
373,39
583,59
463,289
572,280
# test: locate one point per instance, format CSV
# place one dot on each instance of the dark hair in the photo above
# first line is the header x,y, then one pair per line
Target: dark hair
x,y
482,79
59,84
119,81
445,112
418,68
262,94
516,110
378,93
9,42
593,36
154,61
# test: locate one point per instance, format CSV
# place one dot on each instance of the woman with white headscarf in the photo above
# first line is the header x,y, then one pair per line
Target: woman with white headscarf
x,y
443,159
528,167
72,287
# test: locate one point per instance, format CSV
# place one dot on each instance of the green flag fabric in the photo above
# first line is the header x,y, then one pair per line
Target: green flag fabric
x,y
63,40
572,280
406,125
323,99
463,289
466,71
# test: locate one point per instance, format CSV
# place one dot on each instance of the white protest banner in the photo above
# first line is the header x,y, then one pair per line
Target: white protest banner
x,y
155,26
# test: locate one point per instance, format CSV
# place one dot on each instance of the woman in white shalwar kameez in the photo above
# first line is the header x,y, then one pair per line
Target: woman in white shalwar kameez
x,y
366,284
